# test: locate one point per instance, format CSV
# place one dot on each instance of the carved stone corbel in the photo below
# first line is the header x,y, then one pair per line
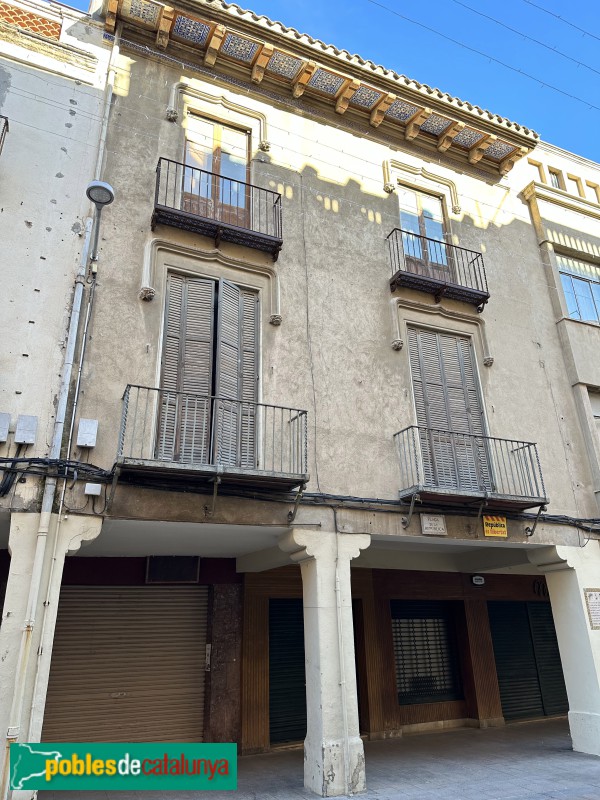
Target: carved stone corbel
x,y
213,44
303,78
164,27
413,126
262,59
343,98
378,112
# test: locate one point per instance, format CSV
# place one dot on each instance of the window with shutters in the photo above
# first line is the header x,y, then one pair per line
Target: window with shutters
x,y
425,652
209,373
449,411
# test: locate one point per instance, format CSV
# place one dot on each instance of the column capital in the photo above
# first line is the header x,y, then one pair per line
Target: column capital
x,y
304,544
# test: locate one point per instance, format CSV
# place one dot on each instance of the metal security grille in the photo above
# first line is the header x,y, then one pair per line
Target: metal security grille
x,y
424,652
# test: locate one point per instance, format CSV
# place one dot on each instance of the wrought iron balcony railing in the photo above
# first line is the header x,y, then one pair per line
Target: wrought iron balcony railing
x,y
178,433
448,467
437,267
3,131
204,202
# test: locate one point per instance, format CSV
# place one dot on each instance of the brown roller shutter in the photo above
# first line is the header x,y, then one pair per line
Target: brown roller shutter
x,y
128,665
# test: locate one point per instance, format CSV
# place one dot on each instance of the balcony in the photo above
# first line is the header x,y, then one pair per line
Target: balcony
x,y
438,268
446,468
212,205
181,439
3,131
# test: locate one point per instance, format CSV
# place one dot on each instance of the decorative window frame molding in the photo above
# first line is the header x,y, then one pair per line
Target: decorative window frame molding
x,y
185,97
397,172
151,280
412,312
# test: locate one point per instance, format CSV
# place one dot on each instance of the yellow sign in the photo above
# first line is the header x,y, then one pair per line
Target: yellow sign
x,y
495,526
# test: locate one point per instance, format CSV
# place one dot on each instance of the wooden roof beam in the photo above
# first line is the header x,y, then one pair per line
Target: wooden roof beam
x,y
509,162
213,44
344,95
303,78
164,27
378,111
413,126
445,139
477,152
261,61
112,9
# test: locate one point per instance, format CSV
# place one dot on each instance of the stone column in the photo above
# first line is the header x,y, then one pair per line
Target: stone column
x,y
569,572
334,762
26,639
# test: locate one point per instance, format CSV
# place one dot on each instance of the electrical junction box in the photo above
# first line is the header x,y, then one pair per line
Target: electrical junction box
x,y
4,426
93,489
87,433
26,429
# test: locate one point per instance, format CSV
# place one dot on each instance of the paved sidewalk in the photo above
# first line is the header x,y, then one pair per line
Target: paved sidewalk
x,y
528,761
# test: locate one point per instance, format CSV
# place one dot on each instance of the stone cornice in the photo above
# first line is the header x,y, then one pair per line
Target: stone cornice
x,y
229,40
540,191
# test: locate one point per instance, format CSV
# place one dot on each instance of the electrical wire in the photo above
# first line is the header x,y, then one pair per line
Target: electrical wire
x,y
526,36
486,56
562,19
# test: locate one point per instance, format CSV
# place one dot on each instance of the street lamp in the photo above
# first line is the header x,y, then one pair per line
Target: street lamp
x,y
101,194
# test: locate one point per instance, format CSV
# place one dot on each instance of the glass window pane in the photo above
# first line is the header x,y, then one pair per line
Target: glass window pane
x,y
234,160
432,208
596,295
572,308
583,294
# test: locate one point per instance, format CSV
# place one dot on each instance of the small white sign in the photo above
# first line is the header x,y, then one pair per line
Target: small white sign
x,y
592,600
433,525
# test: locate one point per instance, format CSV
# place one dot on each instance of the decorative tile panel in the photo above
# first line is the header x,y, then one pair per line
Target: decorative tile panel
x,y
401,111
435,124
239,48
325,81
499,150
365,97
284,65
145,12
467,137
30,22
190,30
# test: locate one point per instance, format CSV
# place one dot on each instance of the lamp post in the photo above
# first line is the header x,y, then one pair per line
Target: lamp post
x,y
101,194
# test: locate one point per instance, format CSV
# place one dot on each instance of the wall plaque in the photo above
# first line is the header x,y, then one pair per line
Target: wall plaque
x,y
495,526
592,601
433,525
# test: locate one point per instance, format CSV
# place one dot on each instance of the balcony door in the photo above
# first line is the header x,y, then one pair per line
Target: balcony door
x,y
449,412
423,237
209,375
216,174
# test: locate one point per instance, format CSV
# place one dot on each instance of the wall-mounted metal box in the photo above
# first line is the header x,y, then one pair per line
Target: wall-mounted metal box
x,y
87,433
26,429
4,426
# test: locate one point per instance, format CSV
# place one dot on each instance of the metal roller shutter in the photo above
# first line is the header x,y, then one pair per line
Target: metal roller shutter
x,y
552,682
128,665
287,682
527,659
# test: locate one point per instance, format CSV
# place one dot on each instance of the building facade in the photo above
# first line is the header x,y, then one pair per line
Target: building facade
x,y
335,462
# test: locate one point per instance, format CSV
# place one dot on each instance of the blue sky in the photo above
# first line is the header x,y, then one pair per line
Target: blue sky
x,y
374,29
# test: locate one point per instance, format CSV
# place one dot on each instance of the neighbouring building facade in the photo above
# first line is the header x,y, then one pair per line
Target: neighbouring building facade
x,y
334,469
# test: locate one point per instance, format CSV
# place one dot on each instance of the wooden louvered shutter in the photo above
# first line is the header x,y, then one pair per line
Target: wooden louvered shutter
x,y
236,377
184,420
447,400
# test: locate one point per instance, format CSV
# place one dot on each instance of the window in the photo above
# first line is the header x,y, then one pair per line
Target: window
x,y
425,652
539,169
595,403
581,285
217,171
423,237
593,191
209,373
556,178
575,185
449,411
